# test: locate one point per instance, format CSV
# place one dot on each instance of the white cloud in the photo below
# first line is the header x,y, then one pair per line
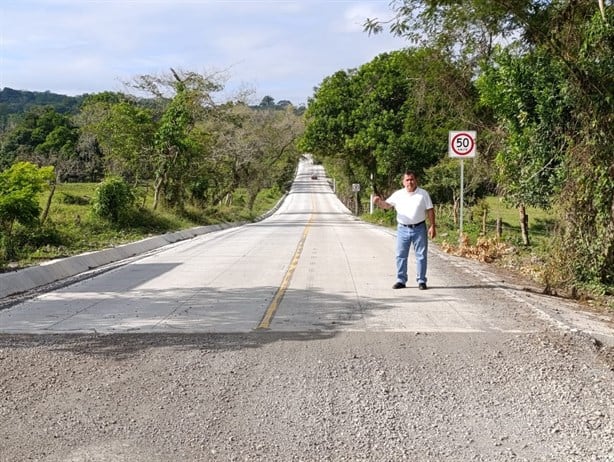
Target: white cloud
x,y
282,48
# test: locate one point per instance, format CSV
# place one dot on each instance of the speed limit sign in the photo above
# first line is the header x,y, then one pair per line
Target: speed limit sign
x,y
461,144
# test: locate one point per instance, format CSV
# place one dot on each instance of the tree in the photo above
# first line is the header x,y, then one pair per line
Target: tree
x,y
252,149
178,142
270,146
123,131
328,115
533,109
267,102
46,137
390,115
465,30
30,133
569,45
553,141
586,199
20,186
175,149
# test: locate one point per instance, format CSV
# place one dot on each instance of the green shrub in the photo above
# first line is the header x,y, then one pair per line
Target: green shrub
x,y
113,200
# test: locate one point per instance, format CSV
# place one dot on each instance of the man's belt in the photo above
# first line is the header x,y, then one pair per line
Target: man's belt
x,y
415,225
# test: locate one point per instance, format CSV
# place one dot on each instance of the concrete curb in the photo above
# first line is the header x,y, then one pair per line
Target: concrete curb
x,y
23,280
19,281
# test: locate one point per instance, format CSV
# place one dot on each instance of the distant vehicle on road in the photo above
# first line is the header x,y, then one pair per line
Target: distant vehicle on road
x,y
314,177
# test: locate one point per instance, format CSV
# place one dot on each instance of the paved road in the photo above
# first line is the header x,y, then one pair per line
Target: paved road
x,y
284,341
311,266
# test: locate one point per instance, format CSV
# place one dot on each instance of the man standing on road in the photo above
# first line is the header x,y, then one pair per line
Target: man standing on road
x,y
413,206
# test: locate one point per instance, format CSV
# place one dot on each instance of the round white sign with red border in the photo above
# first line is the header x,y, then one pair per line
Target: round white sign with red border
x,y
461,144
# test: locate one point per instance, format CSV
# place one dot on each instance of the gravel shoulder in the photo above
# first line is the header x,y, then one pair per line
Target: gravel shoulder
x,y
349,396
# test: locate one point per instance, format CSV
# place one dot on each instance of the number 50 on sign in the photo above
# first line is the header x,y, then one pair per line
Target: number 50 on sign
x,y
461,144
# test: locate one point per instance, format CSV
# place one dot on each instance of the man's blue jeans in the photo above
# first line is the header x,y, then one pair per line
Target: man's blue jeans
x,y
405,238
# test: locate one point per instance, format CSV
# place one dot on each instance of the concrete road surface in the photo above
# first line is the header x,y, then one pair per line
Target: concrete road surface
x,y
311,266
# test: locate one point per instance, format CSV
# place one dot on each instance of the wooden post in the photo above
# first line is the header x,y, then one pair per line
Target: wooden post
x,y
524,224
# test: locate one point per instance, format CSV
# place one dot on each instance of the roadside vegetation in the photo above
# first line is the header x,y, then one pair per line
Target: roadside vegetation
x,y
491,234
74,226
534,79
122,167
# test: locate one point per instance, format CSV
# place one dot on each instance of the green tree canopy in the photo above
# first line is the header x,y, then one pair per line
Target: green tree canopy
x,y
529,97
551,94
41,130
390,115
20,186
123,131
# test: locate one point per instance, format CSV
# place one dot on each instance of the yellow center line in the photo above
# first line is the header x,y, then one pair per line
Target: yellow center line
x,y
281,291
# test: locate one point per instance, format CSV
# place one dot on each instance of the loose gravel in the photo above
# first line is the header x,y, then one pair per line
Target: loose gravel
x,y
351,396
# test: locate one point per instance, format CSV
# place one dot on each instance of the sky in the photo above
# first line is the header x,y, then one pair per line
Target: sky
x,y
277,48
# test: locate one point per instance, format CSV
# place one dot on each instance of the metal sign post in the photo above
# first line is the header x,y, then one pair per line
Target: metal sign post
x,y
462,195
371,197
356,189
461,144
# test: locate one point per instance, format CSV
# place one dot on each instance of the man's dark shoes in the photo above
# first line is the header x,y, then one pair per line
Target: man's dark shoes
x,y
399,285
422,286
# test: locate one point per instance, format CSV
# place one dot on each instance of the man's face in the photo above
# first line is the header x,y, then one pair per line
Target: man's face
x,y
410,182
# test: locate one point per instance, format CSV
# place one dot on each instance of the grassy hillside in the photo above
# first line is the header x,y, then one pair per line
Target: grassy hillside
x,y
72,228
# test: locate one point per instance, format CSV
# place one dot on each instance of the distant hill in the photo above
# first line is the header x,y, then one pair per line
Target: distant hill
x,y
19,101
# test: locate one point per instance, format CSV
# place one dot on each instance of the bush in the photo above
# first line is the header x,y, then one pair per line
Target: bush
x,y
113,199
20,185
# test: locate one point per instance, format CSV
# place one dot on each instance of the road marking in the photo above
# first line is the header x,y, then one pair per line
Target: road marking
x,y
281,291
